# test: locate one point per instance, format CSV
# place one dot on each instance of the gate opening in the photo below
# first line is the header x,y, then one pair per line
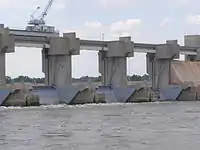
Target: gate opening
x,y
25,64
85,67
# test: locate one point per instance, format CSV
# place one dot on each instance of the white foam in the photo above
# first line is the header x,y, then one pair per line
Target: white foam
x,y
81,106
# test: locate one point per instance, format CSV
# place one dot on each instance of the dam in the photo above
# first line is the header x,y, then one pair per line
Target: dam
x,y
170,79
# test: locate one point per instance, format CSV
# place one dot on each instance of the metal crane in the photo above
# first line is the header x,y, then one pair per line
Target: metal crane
x,y
46,10
38,24
32,16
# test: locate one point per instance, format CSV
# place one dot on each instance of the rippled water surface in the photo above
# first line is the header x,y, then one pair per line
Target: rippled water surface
x,y
155,126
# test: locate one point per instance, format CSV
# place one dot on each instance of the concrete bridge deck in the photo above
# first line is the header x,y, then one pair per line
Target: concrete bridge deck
x,y
41,40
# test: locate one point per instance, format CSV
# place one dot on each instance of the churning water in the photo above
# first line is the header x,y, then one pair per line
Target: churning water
x,y
154,126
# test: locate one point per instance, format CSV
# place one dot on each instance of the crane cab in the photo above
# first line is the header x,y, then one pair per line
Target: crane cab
x,y
40,28
38,24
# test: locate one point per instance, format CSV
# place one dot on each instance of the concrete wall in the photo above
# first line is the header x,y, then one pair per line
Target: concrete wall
x,y
113,63
6,45
2,68
113,70
57,62
45,65
188,94
192,41
60,70
185,72
149,64
165,53
83,97
161,73
141,95
17,98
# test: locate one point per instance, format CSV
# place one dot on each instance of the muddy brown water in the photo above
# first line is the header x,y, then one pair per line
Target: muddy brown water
x,y
153,126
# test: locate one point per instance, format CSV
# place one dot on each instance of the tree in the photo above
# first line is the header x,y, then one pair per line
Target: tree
x,y
139,78
8,79
27,79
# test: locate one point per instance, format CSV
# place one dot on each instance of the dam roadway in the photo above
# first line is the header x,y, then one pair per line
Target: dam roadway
x,y
41,40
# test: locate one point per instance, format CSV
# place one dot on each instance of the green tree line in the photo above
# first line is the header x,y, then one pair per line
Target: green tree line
x,y
27,79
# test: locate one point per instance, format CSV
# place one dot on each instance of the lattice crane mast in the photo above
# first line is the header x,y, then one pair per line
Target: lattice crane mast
x,y
38,24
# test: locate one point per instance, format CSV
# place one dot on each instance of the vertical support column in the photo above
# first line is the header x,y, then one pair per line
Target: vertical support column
x,y
198,55
102,66
161,73
60,70
165,53
45,64
149,64
113,70
7,45
2,68
113,63
192,41
59,62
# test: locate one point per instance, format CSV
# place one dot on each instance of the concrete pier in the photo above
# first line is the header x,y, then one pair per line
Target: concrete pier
x,y
113,70
57,61
113,63
193,41
2,68
149,64
45,64
7,45
60,73
160,67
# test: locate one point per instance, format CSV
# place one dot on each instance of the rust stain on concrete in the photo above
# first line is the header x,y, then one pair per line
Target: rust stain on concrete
x,y
185,72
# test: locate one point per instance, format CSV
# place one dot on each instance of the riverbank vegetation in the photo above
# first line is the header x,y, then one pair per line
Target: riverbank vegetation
x,y
27,79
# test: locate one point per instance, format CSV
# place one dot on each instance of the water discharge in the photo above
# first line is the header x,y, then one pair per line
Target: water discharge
x,y
170,125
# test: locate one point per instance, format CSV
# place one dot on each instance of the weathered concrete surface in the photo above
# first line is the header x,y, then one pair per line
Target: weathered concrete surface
x,y
4,93
83,93
193,41
60,70
113,70
16,98
47,95
83,97
189,94
2,67
19,97
113,63
76,94
99,97
185,73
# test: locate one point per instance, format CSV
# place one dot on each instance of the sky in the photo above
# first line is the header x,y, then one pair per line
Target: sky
x,y
146,21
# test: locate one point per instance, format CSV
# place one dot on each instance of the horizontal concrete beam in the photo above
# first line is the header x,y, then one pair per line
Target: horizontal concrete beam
x,y
146,50
28,33
97,48
40,40
33,45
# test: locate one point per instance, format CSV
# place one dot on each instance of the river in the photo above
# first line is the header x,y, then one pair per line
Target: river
x,y
153,126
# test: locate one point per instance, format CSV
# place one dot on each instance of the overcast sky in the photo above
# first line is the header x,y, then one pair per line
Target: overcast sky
x,y
147,21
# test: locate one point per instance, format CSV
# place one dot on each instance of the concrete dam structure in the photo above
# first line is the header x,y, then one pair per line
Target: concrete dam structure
x,y
169,79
